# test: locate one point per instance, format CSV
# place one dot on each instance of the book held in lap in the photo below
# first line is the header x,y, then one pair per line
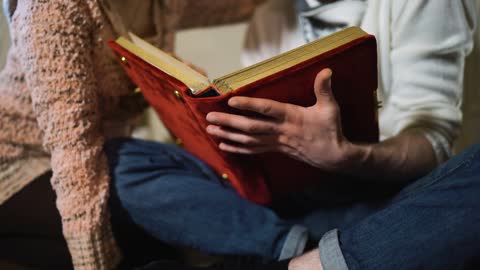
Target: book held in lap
x,y
183,97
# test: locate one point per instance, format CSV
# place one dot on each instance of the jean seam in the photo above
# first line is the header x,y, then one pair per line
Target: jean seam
x,y
465,163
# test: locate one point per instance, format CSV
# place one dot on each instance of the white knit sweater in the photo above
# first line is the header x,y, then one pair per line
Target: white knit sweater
x,y
422,46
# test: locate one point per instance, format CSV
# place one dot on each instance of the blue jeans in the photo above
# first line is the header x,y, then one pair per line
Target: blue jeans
x,y
433,223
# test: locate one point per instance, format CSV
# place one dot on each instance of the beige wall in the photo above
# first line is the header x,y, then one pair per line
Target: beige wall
x,y
217,50
4,38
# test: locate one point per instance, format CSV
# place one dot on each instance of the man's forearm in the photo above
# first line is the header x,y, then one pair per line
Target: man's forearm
x,y
406,156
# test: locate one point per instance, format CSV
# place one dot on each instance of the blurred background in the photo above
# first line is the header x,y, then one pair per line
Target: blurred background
x,y
219,53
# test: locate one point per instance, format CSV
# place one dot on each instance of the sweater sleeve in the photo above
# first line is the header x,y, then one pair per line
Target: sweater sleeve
x,y
198,13
54,41
429,43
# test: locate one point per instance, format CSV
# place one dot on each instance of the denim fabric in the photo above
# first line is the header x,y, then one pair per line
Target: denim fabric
x,y
434,223
177,199
331,255
295,243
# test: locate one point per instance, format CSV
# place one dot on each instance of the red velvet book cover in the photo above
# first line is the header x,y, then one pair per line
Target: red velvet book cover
x,y
266,178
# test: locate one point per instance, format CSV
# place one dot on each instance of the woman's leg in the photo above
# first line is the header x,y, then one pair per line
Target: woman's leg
x,y
177,199
31,230
434,223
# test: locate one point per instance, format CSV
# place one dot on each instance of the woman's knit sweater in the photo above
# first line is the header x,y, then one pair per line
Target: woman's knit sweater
x,y
62,93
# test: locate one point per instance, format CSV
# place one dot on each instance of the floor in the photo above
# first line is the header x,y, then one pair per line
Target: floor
x,y
6,266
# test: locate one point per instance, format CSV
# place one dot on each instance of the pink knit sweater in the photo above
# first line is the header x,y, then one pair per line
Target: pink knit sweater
x,y
62,93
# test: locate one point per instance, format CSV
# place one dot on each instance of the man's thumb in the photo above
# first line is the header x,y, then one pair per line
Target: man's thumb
x,y
323,86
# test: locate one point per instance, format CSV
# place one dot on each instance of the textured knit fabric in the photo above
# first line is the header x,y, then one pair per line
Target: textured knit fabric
x,y
62,93
421,55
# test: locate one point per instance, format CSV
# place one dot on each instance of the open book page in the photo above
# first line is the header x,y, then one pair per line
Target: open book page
x,y
287,60
198,82
165,62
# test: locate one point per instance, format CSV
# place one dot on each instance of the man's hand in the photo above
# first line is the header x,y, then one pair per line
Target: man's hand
x,y
310,134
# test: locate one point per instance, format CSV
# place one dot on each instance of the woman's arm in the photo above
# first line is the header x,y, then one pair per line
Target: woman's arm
x,y
198,13
54,41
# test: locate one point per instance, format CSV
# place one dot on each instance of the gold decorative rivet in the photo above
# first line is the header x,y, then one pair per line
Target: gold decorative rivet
x,y
225,176
137,90
178,95
178,141
124,60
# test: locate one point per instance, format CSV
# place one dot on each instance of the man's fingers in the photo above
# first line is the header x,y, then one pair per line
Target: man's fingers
x,y
243,150
263,106
243,123
235,136
323,86
239,143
